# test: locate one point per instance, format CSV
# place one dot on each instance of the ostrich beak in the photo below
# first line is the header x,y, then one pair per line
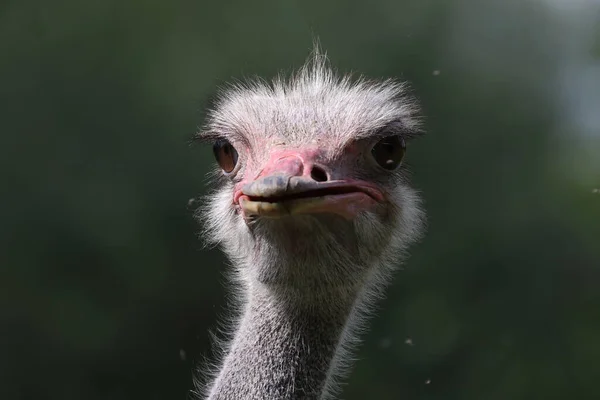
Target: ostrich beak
x,y
286,187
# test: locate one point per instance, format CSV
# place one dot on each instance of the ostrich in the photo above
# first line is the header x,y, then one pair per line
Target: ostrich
x,y
314,211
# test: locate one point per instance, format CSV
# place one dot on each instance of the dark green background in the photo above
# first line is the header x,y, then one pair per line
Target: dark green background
x,y
105,290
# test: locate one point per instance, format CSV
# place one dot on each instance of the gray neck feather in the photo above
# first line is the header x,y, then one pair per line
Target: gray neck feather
x,y
285,346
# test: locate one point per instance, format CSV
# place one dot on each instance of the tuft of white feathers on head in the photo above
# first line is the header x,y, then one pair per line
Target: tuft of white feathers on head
x,y
311,104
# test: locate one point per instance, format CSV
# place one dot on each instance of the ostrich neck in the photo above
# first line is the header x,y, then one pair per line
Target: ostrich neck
x,y
284,346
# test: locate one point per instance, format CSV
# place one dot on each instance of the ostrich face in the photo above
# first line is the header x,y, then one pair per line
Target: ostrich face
x,y
313,185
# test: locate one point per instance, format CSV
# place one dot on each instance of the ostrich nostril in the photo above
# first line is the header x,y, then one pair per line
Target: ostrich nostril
x,y
318,174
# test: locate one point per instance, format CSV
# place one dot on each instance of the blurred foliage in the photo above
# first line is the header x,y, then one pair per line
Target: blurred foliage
x,y
105,290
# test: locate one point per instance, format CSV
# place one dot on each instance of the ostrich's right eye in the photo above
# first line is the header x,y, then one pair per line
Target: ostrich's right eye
x,y
226,155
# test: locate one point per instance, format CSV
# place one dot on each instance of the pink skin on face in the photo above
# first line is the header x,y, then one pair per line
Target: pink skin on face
x,y
284,186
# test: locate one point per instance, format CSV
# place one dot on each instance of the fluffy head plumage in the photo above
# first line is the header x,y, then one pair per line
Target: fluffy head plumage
x,y
312,104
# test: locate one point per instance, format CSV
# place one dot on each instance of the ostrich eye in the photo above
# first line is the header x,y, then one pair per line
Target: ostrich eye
x,y
389,152
225,154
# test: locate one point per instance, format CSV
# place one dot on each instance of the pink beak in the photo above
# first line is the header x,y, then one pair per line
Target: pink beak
x,y
293,183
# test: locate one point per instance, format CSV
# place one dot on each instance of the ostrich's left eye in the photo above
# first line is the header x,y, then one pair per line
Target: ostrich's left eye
x,y
389,152
226,155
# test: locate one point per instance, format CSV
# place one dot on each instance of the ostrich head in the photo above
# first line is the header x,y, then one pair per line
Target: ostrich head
x,y
313,195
